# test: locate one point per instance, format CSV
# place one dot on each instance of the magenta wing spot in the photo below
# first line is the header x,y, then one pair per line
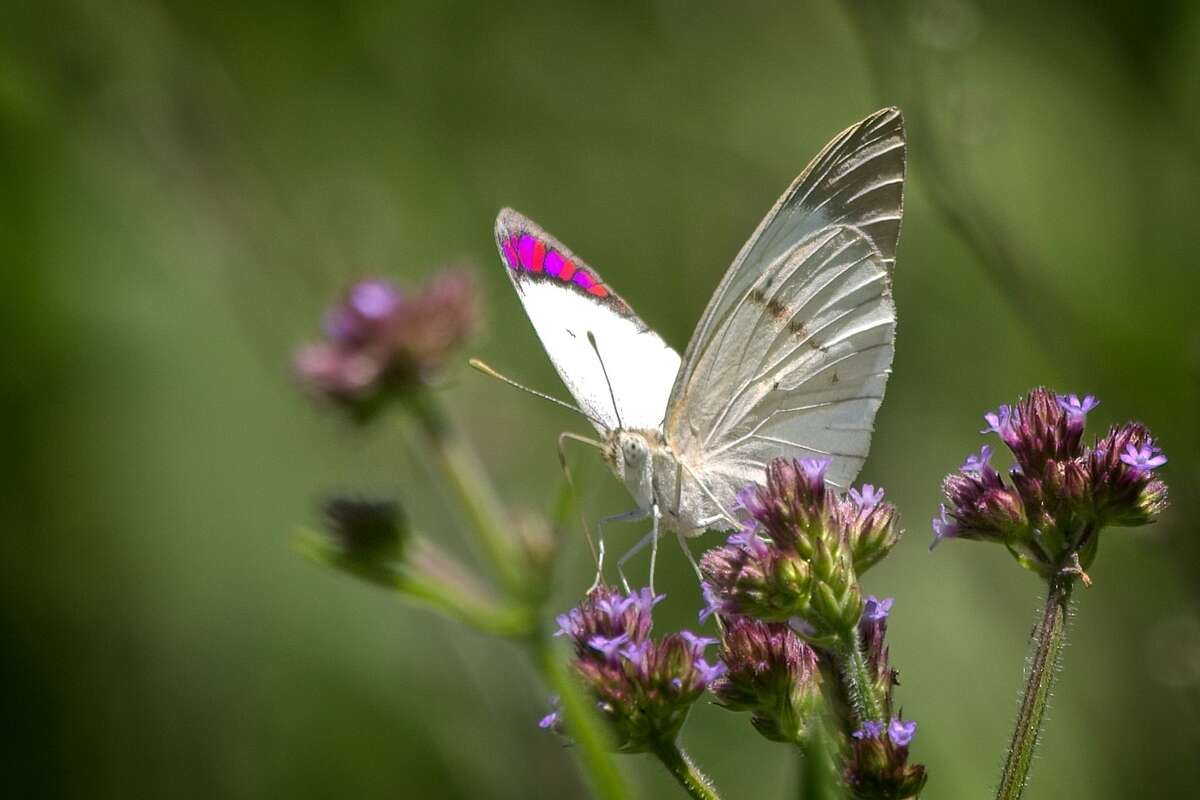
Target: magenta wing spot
x,y
584,279
525,247
510,253
553,263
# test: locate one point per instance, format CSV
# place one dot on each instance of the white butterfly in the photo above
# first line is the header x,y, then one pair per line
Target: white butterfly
x,y
790,358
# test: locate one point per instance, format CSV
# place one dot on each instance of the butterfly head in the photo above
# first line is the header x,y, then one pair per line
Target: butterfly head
x,y
630,454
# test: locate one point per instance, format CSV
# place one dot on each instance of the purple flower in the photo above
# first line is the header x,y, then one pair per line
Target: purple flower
x,y
868,498
643,687
943,528
551,720
1075,407
877,610
901,733
1143,458
999,421
977,463
869,730
814,469
380,341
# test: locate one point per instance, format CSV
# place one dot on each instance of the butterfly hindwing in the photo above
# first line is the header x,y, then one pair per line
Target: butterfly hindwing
x,y
792,354
625,377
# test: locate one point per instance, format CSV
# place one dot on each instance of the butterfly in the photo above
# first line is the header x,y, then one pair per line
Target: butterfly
x,y
790,358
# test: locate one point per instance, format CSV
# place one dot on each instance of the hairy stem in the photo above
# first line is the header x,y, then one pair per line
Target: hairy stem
x,y
582,724
859,685
680,765
466,477
1047,645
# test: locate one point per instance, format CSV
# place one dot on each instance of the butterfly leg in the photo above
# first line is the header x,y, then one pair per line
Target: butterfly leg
x,y
651,539
636,515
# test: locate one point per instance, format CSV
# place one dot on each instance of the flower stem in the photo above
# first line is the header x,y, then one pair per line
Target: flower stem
x,y
585,728
860,688
685,771
1048,641
466,477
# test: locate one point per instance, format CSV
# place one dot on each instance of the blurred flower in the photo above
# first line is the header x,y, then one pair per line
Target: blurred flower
x,y
644,688
772,674
381,341
1061,492
806,568
365,529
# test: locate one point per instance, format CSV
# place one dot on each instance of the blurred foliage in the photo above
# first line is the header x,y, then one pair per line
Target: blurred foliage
x,y
186,185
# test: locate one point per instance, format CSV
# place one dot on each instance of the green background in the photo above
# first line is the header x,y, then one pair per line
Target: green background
x,y
183,188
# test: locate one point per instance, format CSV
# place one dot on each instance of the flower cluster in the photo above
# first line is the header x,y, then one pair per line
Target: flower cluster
x,y
380,340
772,674
878,764
1060,492
816,545
645,688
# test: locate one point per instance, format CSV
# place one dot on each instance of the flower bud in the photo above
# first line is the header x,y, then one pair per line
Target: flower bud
x,y
878,766
365,529
772,674
870,525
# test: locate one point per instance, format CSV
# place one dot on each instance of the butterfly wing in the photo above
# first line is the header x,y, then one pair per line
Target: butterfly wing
x,y
793,352
619,371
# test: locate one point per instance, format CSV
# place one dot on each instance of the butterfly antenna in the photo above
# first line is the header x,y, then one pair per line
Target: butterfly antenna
x,y
486,370
612,396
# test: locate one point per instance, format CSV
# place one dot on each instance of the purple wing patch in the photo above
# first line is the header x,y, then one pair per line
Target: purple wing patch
x,y
524,252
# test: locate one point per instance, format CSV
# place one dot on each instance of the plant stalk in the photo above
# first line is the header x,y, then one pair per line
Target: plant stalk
x,y
1047,646
595,751
681,766
467,479
860,687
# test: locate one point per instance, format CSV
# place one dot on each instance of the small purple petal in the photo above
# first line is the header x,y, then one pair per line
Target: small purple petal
x,y
548,721
1143,458
869,730
697,643
1075,407
868,498
709,672
751,543
607,646
977,462
998,421
374,299
901,733
814,468
943,528
877,610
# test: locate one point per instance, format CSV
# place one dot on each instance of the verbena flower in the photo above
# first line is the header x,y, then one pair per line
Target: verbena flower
x,y
380,341
799,557
771,673
1060,492
644,688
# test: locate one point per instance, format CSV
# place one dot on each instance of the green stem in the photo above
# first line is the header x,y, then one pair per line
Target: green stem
x,y
592,741
466,477
1048,641
681,766
860,686
509,622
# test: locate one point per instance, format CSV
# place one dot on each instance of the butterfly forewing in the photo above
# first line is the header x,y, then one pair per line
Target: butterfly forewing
x,y
792,353
624,379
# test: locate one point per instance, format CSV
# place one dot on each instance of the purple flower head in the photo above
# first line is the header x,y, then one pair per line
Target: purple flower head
x,y
868,498
379,341
794,506
977,462
749,576
606,619
1143,458
943,528
877,610
869,730
901,733
549,721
